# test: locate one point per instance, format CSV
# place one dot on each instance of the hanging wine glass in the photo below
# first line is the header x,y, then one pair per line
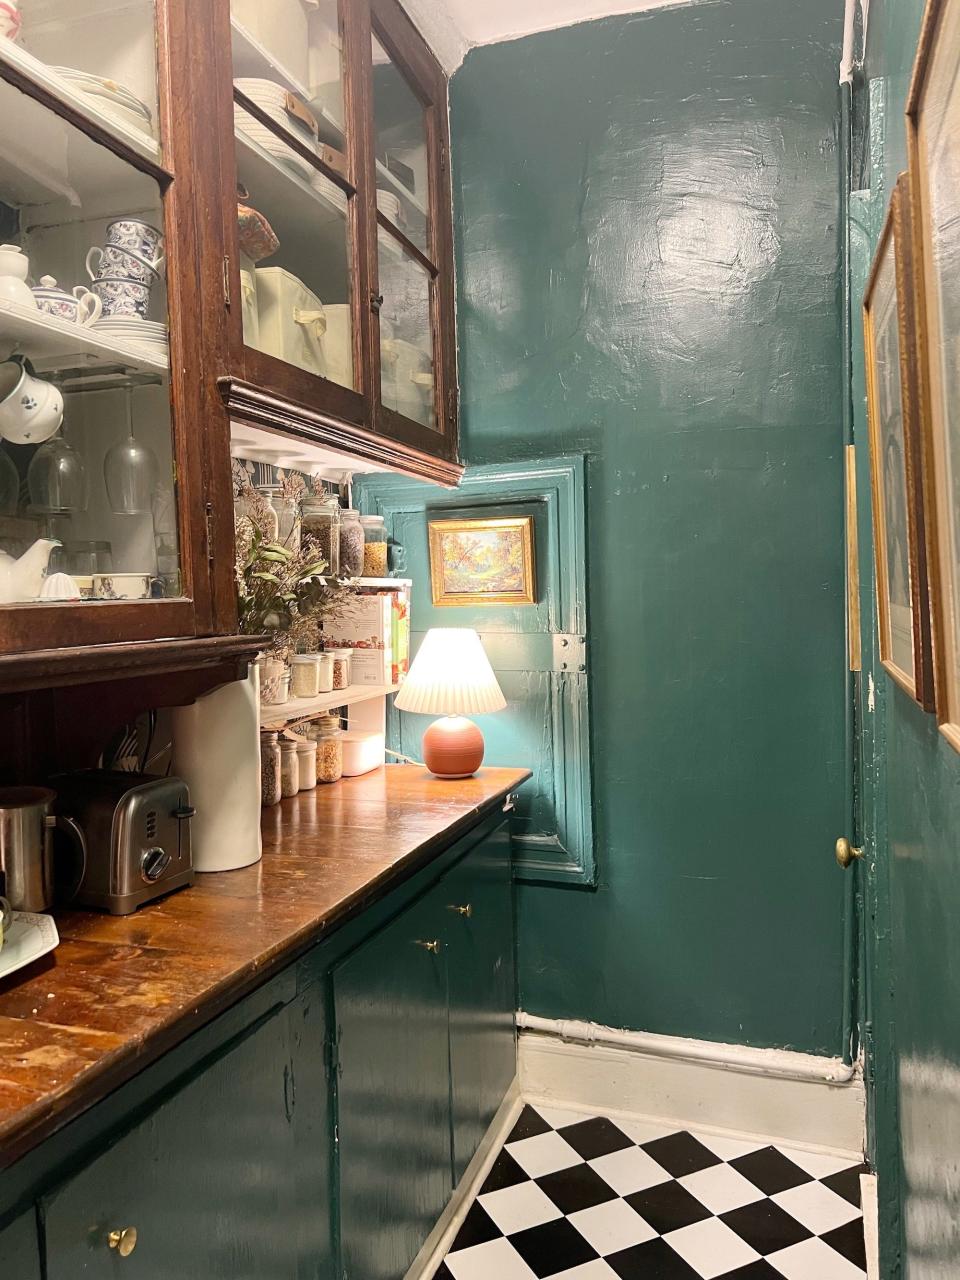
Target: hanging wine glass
x,y
9,485
57,479
130,473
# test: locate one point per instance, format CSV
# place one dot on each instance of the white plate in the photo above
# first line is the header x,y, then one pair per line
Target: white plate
x,y
27,939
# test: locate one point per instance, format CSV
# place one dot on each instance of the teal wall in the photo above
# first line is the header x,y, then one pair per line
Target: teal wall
x,y
648,257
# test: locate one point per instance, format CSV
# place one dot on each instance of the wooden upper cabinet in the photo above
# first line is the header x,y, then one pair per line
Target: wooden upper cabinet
x,y
337,224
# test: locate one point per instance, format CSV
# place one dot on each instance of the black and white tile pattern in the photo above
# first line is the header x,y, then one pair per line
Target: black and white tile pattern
x,y
587,1198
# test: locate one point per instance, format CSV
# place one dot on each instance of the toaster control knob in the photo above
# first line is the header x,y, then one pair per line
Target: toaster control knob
x,y
153,864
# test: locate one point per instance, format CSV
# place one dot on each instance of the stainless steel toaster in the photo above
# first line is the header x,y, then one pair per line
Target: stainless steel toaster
x,y
137,831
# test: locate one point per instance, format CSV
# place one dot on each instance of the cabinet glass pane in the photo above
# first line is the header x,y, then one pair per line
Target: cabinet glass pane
x,y
86,449
295,247
401,150
406,334
101,55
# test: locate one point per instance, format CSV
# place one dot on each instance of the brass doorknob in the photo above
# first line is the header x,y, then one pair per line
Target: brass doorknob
x,y
465,910
124,1241
846,853
429,946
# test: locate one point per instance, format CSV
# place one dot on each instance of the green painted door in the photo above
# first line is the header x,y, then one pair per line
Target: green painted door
x,y
210,1180
393,1103
477,897
19,1252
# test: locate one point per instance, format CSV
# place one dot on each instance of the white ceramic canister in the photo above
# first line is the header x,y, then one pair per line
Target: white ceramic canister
x,y
362,752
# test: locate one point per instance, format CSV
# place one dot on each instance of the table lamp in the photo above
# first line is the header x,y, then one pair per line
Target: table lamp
x,y
451,677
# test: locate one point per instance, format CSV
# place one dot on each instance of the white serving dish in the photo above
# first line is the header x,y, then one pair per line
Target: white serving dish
x,y
282,28
28,938
362,752
292,320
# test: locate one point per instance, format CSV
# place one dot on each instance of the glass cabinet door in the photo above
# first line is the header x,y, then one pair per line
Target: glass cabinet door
x,y
294,193
89,502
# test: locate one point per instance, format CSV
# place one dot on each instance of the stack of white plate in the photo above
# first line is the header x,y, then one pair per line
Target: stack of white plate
x,y
127,331
329,190
110,97
271,98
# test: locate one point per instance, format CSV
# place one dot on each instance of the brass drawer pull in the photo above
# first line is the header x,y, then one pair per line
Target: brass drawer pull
x,y
429,946
124,1241
465,910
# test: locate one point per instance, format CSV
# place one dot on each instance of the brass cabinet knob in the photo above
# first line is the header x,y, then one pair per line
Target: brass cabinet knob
x,y
463,910
846,853
124,1241
429,946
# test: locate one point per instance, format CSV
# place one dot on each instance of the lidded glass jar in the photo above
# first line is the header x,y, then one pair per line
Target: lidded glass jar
x,y
270,791
288,521
351,543
342,667
374,546
320,514
304,675
307,763
329,737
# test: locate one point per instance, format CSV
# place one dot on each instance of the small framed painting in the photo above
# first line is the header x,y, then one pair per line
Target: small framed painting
x,y
890,335
933,135
482,561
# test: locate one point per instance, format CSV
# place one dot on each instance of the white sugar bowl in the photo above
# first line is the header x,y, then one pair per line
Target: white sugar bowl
x,y
79,307
14,266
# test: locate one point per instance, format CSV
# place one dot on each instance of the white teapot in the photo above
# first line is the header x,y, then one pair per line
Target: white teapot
x,y
14,267
23,579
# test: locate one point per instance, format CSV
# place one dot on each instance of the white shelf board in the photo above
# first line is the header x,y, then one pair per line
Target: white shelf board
x,y
275,717
51,343
259,444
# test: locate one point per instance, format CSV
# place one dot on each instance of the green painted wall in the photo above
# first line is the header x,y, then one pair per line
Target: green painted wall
x,y
648,249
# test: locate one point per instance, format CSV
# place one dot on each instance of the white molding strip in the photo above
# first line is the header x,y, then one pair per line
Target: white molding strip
x,y
871,1223
771,1094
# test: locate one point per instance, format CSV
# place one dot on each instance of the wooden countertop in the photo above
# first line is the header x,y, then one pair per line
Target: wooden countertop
x,y
120,991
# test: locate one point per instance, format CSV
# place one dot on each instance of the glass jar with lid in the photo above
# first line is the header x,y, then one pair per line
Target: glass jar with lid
x,y
289,767
351,543
288,521
307,763
374,546
270,791
329,737
320,515
304,675
342,667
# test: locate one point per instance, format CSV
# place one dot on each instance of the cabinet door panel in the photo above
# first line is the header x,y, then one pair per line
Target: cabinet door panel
x,y
209,1180
19,1251
393,1094
478,901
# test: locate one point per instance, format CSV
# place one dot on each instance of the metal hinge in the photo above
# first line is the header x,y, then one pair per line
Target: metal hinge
x,y
226,280
569,653
208,511
331,1051
453,405
443,157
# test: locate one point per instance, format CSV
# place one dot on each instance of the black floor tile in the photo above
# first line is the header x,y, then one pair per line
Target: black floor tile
x,y
597,1137
443,1272
552,1247
681,1153
761,1270
504,1173
529,1125
849,1241
667,1207
478,1227
765,1226
770,1170
846,1183
578,1187
652,1261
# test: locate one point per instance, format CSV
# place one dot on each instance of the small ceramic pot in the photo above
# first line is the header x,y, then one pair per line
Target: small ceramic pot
x,y
120,264
123,297
79,307
137,237
31,410
84,582
14,267
10,19
122,586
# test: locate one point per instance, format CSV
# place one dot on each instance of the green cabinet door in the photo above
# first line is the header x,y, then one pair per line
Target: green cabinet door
x,y
393,1093
211,1180
19,1251
477,897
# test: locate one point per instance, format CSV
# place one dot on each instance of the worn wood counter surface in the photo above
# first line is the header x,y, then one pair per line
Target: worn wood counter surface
x,y
119,992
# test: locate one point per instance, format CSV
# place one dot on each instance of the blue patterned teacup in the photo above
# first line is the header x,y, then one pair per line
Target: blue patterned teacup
x,y
119,264
137,237
123,297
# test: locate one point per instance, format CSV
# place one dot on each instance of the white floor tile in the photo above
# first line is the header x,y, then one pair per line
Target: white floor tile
x,y
558,1117
498,1258
646,1130
813,1260
711,1248
515,1208
817,1164
546,1153
629,1170
612,1226
721,1188
728,1148
817,1207
598,1270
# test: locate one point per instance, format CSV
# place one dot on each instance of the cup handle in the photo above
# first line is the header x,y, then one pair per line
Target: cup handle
x,y
158,263
91,307
75,832
90,271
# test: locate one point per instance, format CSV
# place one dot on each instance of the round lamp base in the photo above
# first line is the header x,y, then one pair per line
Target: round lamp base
x,y
453,747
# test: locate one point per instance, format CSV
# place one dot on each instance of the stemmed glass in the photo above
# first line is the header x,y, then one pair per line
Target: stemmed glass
x,y
57,479
130,472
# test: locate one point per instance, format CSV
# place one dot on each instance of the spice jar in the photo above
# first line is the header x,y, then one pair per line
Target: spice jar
x,y
304,675
289,767
374,546
351,543
320,516
342,663
272,688
325,666
307,763
329,750
270,789
288,522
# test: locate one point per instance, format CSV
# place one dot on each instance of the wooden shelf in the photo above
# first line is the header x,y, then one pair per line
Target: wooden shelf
x,y
51,343
276,717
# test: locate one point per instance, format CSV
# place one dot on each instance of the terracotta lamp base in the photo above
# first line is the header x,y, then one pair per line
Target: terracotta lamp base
x,y
453,747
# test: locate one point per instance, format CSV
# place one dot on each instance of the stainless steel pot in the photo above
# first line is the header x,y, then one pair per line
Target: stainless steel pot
x,y
27,824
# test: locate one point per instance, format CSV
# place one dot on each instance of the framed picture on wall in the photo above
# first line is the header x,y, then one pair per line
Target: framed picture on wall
x,y
890,334
933,132
476,562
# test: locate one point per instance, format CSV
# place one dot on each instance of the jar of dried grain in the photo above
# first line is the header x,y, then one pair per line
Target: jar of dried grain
x,y
289,767
320,515
269,768
342,667
374,546
329,750
351,543
307,763
304,675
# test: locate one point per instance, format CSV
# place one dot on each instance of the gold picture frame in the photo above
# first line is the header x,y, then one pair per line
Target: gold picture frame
x,y
891,345
482,562
933,144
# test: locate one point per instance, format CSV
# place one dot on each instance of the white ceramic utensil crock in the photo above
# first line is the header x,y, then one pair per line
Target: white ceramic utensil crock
x,y
31,411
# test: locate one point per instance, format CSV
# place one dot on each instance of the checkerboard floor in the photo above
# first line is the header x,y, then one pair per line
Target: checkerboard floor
x,y
587,1198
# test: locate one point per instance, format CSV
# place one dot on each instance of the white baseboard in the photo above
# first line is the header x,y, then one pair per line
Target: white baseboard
x,y
771,1094
438,1242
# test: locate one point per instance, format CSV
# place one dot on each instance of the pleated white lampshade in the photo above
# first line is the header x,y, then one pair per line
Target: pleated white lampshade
x,y
451,676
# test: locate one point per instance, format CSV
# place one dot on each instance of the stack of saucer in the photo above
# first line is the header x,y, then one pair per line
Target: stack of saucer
x,y
110,97
271,98
130,331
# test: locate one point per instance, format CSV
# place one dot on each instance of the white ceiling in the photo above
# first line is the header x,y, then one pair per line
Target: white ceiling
x,y
452,27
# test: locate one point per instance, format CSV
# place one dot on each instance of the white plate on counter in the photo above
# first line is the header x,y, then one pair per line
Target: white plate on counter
x,y
28,938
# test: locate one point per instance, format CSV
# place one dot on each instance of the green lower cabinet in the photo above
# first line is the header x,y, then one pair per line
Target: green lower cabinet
x,y
478,901
214,1182
19,1250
